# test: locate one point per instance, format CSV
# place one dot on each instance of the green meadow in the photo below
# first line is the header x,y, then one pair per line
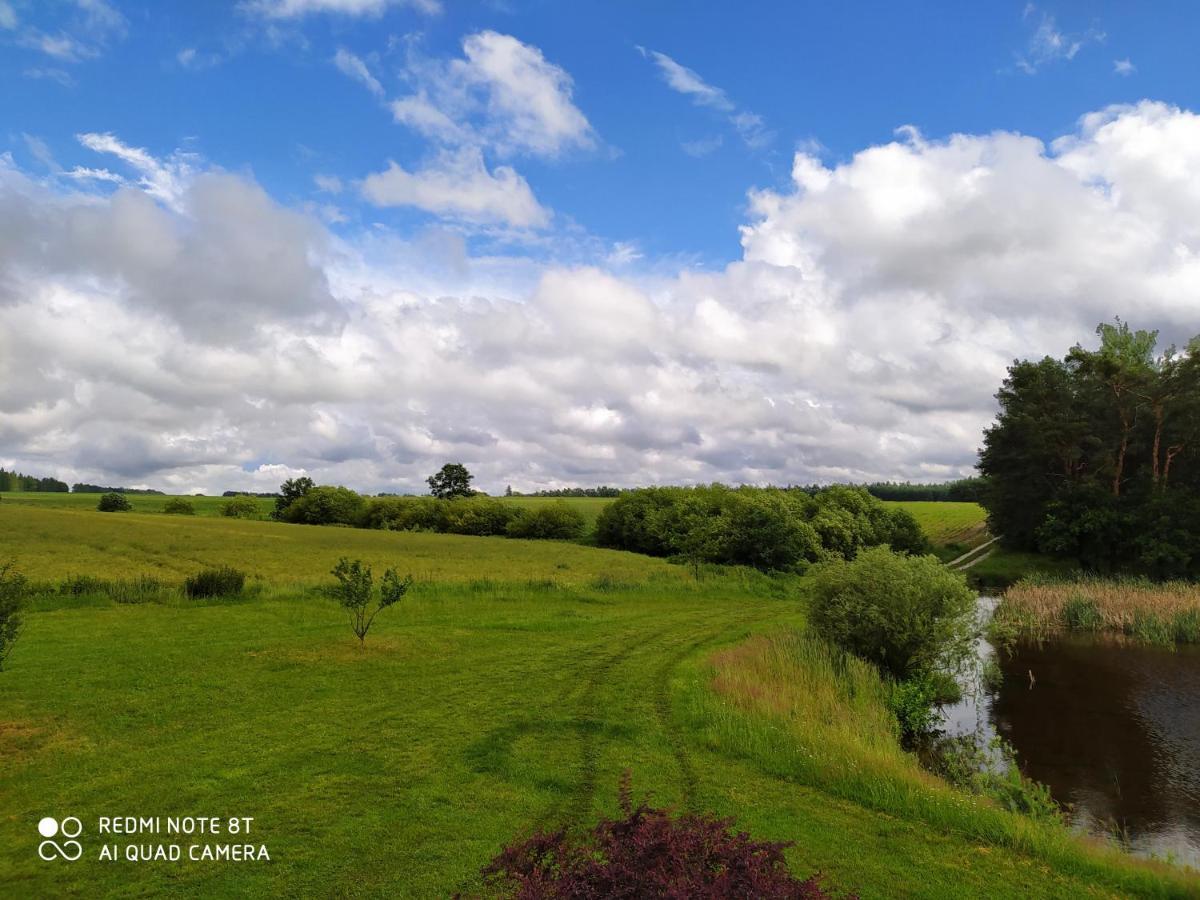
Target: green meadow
x,y
508,691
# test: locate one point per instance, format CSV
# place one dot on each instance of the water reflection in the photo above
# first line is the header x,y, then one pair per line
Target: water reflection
x,y
1112,728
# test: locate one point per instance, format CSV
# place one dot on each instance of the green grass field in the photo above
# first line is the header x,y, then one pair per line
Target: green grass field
x,y
509,690
953,528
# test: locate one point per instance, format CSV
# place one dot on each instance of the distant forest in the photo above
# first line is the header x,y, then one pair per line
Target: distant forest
x,y
15,481
81,488
965,490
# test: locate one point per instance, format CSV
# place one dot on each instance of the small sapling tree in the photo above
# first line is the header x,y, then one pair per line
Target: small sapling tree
x,y
355,591
12,601
452,481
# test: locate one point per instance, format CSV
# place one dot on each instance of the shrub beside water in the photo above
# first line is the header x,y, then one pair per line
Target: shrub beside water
x,y
909,615
221,582
114,502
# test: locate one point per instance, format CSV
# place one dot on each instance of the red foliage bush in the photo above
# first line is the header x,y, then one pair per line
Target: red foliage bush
x,y
648,853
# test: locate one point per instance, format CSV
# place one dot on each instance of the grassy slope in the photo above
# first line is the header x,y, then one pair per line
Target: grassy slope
x,y
510,693
952,527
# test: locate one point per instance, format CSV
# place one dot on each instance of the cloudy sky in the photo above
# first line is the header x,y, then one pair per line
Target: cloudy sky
x,y
570,243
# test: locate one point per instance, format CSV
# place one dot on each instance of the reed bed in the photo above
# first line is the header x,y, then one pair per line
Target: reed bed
x,y
1161,613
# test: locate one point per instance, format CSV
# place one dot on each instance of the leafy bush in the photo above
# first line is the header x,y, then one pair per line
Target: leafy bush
x,y
913,702
289,492
326,505
767,528
222,582
476,515
647,853
13,590
178,506
404,514
240,507
908,614
355,590
554,521
114,502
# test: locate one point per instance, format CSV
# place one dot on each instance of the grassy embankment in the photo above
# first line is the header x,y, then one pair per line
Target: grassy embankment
x,y
509,690
1162,613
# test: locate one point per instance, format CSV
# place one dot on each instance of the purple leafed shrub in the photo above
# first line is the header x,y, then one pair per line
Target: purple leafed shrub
x,y
648,853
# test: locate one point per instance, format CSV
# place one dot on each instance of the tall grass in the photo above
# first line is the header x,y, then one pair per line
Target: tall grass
x,y
1161,613
804,711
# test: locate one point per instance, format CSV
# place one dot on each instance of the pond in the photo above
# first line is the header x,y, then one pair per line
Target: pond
x,y
1111,727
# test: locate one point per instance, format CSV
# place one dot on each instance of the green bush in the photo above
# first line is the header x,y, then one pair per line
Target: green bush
x,y
914,702
13,591
327,505
222,582
768,528
241,507
114,502
476,515
404,514
907,614
289,492
178,506
554,521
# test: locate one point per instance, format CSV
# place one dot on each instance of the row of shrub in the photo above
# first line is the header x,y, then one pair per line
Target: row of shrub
x,y
478,515
767,528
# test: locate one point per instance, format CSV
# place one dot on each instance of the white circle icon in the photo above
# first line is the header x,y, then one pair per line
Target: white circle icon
x,y
70,828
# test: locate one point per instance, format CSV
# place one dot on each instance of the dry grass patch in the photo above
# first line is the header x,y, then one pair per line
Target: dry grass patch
x,y
1165,612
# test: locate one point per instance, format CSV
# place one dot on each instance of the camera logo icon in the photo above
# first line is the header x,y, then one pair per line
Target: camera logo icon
x,y
69,849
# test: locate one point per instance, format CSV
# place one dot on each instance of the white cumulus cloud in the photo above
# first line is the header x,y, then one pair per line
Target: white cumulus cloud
x,y
458,184
222,340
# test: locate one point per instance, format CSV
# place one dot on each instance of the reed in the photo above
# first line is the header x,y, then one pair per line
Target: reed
x,y
1161,613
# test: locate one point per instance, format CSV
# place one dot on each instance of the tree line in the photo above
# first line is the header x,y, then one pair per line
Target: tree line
x,y
774,529
83,488
1094,456
15,481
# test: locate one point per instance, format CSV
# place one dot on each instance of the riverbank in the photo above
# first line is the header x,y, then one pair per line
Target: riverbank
x,y
1157,613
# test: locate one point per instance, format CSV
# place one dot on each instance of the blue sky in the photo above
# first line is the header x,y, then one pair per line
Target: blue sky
x,y
571,243
262,94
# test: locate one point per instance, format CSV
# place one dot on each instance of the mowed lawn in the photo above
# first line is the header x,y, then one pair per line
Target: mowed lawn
x,y
510,690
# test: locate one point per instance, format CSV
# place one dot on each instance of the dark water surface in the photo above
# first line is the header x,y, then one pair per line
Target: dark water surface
x,y
1111,727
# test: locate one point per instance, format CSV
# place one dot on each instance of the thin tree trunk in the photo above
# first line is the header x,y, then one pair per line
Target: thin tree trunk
x,y
1158,428
1172,452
